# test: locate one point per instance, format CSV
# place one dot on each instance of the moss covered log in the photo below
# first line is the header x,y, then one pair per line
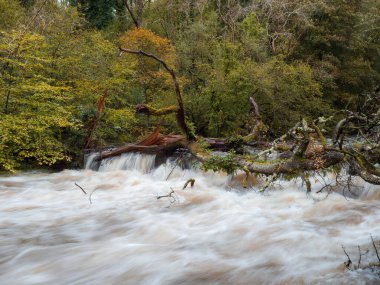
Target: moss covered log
x,y
151,111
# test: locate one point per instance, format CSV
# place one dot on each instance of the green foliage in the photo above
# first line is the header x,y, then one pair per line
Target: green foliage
x,y
118,125
228,163
99,13
27,3
27,138
11,12
33,112
339,43
48,81
303,59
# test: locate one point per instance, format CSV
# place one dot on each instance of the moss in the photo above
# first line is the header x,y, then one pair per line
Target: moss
x,y
282,147
235,142
291,176
228,163
162,111
320,135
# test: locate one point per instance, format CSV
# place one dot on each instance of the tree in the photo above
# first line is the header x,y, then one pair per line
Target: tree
x,y
27,3
50,84
295,58
99,13
335,44
141,38
136,16
11,12
32,112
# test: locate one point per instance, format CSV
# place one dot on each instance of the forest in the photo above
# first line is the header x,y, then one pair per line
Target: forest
x,y
65,86
189,142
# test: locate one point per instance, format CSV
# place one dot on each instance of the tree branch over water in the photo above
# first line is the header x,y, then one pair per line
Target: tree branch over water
x,y
180,113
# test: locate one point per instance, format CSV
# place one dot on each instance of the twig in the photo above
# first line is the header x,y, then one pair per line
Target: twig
x,y
325,186
191,181
268,182
171,171
171,198
81,188
348,262
360,256
37,13
166,196
374,246
175,165
320,190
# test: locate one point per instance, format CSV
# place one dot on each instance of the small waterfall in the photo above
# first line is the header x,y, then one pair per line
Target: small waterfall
x,y
127,161
90,161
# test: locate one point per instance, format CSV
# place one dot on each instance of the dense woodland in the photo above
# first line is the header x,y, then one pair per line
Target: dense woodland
x,y
65,86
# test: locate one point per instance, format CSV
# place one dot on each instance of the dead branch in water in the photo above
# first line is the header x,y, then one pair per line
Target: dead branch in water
x,y
360,256
302,150
169,196
175,165
348,262
166,196
191,181
374,246
349,265
154,143
84,192
81,188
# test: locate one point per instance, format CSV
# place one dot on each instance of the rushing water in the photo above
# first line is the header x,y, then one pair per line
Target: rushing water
x,y
50,233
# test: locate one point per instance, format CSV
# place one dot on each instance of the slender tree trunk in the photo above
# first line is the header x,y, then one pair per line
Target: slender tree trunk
x,y
128,5
7,102
139,12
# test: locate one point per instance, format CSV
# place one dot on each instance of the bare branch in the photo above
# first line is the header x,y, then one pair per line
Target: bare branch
x,y
191,181
180,113
374,246
360,256
169,196
84,192
166,196
131,14
348,262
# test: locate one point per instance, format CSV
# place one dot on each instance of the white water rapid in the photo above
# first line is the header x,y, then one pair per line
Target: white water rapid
x,y
50,233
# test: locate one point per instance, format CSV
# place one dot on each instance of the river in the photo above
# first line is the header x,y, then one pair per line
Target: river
x,y
213,233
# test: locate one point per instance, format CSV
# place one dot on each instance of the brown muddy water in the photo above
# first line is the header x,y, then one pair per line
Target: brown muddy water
x,y
212,233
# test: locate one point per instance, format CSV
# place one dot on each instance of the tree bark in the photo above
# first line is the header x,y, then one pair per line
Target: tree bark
x,y
130,11
139,12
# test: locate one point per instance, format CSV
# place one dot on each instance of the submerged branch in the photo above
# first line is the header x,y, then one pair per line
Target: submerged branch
x,y
81,188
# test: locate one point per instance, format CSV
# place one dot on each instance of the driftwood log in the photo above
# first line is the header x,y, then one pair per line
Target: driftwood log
x,y
154,143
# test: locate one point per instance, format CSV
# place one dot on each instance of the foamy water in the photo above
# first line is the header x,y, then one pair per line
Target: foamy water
x,y
50,233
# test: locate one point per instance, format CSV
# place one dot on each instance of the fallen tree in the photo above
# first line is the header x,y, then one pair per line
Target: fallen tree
x,y
154,143
302,149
